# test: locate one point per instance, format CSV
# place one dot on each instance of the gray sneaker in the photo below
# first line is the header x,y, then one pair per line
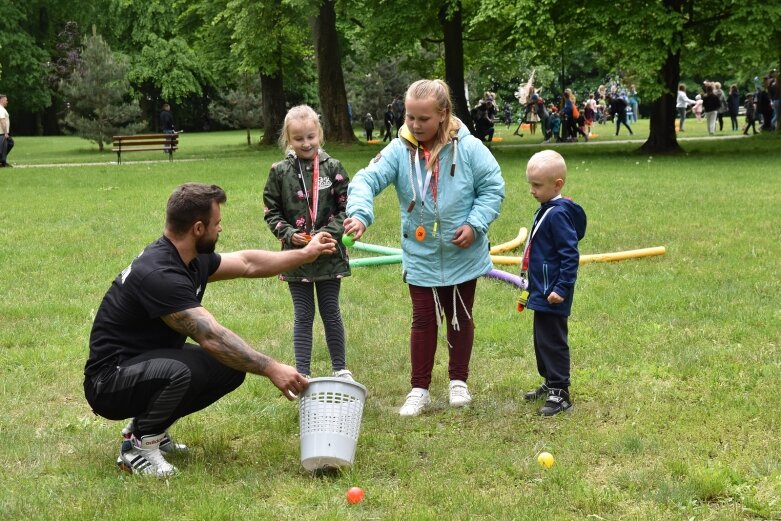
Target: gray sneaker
x,y
558,401
143,457
536,394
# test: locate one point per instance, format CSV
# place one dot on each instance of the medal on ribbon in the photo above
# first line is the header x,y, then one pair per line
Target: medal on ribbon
x,y
420,233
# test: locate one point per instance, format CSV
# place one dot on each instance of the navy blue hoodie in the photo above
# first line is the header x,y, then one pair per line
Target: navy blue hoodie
x,y
554,256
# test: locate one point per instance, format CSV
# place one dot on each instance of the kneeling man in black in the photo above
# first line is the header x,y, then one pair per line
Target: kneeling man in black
x,y
139,365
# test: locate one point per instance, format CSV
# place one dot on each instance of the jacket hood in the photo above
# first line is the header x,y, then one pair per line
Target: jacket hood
x,y
575,212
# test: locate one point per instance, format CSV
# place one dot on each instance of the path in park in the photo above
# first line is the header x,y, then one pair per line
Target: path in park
x,y
612,142
507,145
109,163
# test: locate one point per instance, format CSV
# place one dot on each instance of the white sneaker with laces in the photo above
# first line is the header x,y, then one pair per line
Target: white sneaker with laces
x,y
417,399
143,456
167,446
344,373
459,393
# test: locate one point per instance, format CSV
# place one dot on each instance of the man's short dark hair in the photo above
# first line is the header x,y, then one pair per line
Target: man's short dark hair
x,y
190,203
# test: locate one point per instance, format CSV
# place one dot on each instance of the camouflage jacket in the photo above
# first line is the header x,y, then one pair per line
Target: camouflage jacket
x,y
287,212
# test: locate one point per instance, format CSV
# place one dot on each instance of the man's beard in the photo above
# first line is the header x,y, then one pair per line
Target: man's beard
x,y
205,246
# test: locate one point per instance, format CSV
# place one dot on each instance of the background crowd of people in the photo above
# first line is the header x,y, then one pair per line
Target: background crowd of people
x,y
713,104
565,119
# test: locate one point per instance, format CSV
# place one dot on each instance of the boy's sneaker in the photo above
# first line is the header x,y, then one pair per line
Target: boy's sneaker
x,y
143,456
344,373
540,392
167,445
417,399
558,401
459,393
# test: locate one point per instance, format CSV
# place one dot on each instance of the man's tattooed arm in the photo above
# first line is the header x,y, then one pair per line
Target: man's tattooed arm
x,y
220,342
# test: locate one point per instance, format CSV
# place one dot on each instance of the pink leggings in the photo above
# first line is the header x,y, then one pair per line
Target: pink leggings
x,y
423,337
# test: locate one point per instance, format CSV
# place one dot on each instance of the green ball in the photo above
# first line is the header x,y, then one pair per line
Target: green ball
x,y
348,240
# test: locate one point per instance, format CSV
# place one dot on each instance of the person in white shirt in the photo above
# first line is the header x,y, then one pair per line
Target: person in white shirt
x,y
682,103
6,143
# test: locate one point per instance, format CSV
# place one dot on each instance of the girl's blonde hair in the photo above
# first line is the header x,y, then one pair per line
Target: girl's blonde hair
x,y
302,113
440,93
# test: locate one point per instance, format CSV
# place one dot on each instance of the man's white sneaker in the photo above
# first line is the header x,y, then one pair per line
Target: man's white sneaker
x,y
344,373
417,399
167,446
459,393
144,457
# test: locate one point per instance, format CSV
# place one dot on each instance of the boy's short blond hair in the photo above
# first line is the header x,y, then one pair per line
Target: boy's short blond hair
x,y
550,163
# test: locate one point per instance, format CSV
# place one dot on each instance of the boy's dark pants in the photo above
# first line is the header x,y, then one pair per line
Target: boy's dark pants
x,y
551,349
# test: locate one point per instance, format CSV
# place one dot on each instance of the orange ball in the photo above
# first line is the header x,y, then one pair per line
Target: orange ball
x,y
355,495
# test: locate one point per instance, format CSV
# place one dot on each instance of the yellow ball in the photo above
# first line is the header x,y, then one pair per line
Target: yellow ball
x,y
545,459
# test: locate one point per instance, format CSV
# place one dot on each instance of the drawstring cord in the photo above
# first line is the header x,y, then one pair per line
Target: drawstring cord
x,y
454,322
412,184
439,311
455,155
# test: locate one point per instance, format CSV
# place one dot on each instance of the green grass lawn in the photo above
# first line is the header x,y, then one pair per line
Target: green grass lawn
x,y
676,358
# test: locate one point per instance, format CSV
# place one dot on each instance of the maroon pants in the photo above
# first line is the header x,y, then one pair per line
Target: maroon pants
x,y
423,337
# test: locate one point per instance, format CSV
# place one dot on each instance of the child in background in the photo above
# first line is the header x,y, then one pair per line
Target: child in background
x,y
697,108
368,126
751,111
555,124
550,264
590,112
306,193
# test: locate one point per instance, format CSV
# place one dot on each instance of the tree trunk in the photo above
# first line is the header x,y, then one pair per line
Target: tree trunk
x,y
454,59
662,139
273,102
330,85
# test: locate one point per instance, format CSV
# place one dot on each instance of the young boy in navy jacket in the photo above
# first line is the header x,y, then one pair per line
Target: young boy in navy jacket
x,y
550,262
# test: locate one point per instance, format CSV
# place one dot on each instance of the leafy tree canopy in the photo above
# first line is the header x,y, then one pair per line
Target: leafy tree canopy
x,y
98,96
21,60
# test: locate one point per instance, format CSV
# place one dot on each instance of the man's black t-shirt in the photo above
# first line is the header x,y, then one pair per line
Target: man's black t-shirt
x,y
156,283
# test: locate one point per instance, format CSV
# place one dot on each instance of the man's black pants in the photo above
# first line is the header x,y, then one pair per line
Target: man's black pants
x,y
159,387
6,144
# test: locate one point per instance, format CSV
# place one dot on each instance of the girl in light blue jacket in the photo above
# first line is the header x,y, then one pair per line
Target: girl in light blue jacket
x,y
450,189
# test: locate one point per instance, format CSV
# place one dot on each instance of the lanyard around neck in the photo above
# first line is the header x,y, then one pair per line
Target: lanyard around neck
x,y
311,205
527,247
423,184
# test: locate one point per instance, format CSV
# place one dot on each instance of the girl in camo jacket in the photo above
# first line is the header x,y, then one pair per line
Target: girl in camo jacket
x,y
306,193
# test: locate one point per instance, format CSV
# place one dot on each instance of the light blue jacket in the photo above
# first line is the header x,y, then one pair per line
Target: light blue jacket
x,y
473,194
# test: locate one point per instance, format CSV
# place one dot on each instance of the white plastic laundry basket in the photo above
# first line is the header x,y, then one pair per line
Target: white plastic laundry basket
x,y
330,412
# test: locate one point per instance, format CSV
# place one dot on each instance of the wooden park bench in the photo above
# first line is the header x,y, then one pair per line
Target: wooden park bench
x,y
167,143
